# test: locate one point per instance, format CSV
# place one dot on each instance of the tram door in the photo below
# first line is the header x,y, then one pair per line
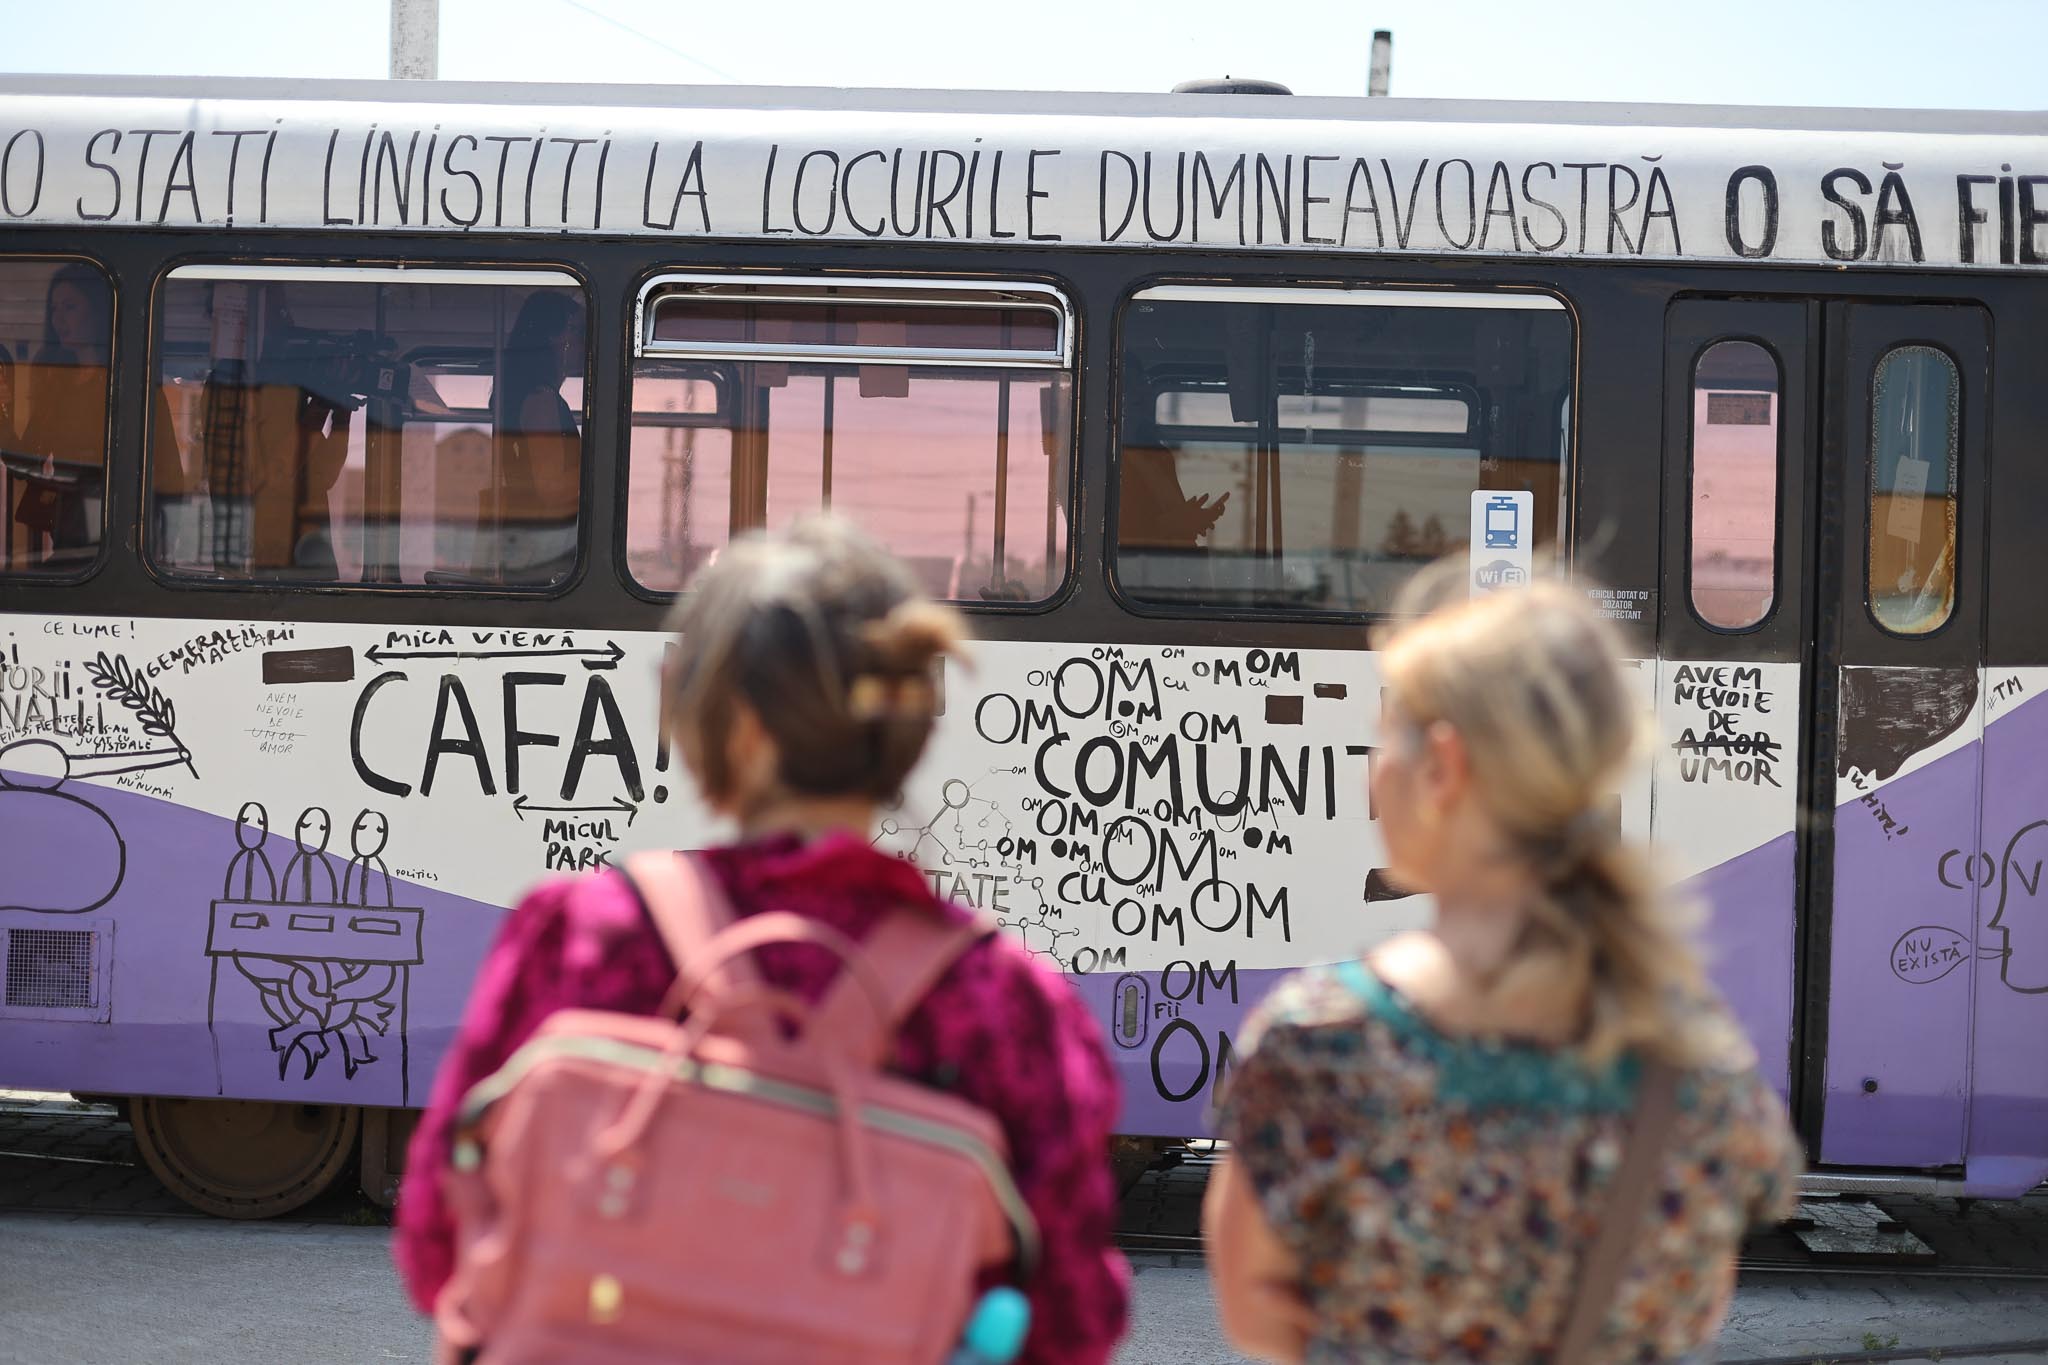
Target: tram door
x,y
1820,645
1736,613
1897,708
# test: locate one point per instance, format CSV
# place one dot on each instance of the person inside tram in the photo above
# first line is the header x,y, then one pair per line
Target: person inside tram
x,y
532,500
801,705
273,435
65,436
1154,511
1161,527
1427,1142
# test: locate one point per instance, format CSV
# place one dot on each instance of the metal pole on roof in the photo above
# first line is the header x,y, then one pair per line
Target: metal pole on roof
x,y
1382,62
415,40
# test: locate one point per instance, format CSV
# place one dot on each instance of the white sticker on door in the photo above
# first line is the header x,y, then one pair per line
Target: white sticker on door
x,y
1503,528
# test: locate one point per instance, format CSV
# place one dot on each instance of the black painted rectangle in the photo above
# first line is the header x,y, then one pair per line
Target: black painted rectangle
x,y
1332,691
286,666
1283,709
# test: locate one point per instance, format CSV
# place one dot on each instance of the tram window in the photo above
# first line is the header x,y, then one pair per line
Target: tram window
x,y
939,420
1914,429
1734,548
366,426
56,337
1303,449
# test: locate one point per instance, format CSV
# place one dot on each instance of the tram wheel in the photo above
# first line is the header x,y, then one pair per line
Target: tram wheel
x,y
1131,1157
245,1158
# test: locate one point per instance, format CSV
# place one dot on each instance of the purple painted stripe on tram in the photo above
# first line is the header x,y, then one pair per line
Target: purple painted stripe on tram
x,y
309,1024
1898,1050
1751,948
2008,1131
170,910
312,1034
1172,1030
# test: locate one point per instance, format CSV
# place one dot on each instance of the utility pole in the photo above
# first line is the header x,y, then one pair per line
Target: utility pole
x,y
1382,62
415,40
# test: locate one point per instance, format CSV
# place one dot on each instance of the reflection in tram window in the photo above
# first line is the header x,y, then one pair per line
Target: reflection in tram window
x,y
1734,484
939,423
368,426
56,335
1914,431
1308,450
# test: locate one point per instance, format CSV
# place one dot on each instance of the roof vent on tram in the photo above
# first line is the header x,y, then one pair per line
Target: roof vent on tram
x,y
1231,85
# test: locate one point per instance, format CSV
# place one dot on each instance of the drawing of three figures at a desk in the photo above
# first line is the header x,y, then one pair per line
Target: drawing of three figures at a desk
x,y
330,956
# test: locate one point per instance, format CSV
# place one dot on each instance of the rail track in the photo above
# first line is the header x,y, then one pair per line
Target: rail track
x,y
1165,1209
1191,1244
1184,1244
1162,1219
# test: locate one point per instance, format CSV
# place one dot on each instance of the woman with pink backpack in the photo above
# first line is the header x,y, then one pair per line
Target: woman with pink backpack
x,y
851,1114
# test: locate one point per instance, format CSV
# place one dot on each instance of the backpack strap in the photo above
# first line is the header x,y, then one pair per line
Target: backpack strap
x,y
688,909
908,951
1629,1198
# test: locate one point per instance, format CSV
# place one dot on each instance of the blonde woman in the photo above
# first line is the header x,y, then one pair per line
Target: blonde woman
x,y
1423,1142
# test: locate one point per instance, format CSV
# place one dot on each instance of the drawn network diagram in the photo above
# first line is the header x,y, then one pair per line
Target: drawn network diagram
x,y
967,836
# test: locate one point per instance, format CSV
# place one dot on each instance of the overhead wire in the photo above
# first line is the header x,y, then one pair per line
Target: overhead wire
x,y
650,39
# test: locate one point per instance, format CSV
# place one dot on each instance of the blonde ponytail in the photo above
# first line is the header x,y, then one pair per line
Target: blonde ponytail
x,y
1532,681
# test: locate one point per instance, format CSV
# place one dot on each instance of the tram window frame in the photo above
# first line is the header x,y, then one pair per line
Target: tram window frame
x,y
1047,295
1333,293
1778,476
1957,397
14,577
314,270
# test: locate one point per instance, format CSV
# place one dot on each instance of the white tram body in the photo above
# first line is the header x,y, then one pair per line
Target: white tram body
x,y
335,626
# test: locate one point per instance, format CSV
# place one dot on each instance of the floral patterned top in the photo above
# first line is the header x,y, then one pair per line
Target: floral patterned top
x,y
1440,1191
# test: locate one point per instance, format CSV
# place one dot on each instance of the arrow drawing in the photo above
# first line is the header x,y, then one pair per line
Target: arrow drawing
x,y
520,806
608,657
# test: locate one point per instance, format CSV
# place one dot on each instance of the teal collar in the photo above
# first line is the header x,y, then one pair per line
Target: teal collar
x,y
1495,1073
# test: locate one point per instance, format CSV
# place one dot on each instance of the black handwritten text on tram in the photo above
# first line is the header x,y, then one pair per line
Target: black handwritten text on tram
x,y
1722,747
440,176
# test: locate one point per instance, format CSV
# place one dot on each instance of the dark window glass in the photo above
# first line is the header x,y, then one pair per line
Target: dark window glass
x,y
376,427
1734,484
56,339
1291,452
1915,425
962,471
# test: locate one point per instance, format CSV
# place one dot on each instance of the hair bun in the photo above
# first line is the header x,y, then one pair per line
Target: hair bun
x,y
911,637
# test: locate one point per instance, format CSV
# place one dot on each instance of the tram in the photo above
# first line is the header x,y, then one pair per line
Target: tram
x,y
354,437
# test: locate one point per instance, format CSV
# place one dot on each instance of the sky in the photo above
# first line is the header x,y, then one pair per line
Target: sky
x,y
1961,54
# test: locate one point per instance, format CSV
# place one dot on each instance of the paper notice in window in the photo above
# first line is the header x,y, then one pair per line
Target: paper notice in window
x,y
1909,496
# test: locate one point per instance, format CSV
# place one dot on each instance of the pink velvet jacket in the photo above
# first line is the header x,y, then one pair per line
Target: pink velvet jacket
x,y
998,1030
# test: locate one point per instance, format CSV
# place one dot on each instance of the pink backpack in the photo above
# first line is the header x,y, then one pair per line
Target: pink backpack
x,y
631,1188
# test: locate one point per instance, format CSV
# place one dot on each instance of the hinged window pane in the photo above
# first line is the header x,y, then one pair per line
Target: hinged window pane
x,y
935,421
718,317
